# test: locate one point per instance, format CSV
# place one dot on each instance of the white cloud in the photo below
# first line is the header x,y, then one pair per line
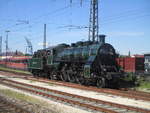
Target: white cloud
x,y
126,34
41,44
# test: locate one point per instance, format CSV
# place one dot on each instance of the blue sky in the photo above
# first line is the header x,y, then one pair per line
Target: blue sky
x,y
125,22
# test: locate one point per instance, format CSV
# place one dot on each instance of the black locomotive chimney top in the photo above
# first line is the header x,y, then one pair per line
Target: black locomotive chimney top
x,y
102,39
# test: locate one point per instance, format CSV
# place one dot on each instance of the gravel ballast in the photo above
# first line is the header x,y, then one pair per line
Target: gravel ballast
x,y
43,105
91,94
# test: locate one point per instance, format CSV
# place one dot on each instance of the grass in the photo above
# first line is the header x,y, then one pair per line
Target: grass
x,y
138,82
51,84
19,96
130,77
14,70
29,99
145,84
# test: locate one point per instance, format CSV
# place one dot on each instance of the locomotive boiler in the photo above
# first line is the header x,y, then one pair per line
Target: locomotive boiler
x,y
82,62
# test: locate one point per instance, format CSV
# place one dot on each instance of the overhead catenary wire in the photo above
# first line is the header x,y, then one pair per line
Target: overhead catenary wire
x,y
76,29
52,23
108,21
44,15
111,21
57,10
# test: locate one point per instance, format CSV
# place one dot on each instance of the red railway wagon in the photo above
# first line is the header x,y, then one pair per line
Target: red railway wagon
x,y
132,64
16,62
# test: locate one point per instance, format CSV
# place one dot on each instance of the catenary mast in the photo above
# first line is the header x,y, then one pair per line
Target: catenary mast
x,y
93,21
93,24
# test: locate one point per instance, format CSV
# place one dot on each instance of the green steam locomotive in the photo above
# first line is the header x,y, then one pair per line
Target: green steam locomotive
x,y
92,63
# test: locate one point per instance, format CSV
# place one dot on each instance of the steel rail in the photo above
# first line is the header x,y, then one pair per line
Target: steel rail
x,y
128,94
134,92
132,95
100,109
84,98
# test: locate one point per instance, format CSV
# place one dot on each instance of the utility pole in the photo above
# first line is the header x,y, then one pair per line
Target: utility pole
x,y
7,45
44,41
0,45
93,26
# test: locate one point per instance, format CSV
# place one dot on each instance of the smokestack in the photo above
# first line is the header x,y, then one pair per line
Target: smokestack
x,y
102,39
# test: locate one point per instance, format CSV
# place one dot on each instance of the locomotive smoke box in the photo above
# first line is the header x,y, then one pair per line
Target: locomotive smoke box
x,y
102,39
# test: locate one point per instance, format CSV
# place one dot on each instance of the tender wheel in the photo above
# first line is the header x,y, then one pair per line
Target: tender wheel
x,y
37,74
49,77
64,77
80,80
100,82
53,76
71,78
34,74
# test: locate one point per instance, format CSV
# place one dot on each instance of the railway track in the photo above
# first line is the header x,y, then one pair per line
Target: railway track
x,y
9,107
74,100
134,92
129,93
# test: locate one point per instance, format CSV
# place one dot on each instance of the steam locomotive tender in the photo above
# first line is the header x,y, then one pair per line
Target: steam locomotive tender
x,y
82,62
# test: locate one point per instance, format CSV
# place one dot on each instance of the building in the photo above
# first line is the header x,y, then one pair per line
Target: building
x,y
147,63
